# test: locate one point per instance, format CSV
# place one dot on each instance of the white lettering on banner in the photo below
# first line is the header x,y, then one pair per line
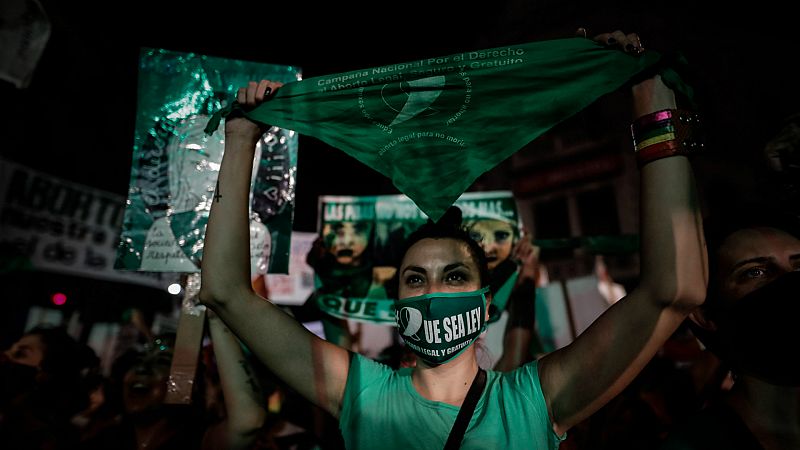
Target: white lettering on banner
x,y
348,211
356,307
398,210
64,227
497,53
496,63
485,208
341,78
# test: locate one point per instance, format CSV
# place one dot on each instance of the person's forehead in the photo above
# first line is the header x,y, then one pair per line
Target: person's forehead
x,y
349,225
432,252
492,225
752,243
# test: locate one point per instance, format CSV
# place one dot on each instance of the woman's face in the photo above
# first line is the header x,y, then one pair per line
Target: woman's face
x,y
347,241
495,237
438,265
752,257
145,383
28,351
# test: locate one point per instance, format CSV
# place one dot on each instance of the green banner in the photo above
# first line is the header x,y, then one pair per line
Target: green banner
x,y
371,310
175,165
435,125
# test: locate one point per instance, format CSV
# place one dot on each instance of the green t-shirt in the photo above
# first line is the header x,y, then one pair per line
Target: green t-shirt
x,y
382,410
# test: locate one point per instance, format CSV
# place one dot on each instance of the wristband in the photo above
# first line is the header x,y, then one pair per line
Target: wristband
x,y
665,133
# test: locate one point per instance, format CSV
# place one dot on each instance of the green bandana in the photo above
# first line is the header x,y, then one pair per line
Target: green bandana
x,y
435,125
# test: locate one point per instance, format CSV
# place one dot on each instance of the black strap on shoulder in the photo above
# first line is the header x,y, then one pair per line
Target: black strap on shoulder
x,y
465,413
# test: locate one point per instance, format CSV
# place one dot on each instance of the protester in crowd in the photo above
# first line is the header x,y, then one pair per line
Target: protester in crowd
x,y
343,263
42,381
748,324
146,421
534,405
513,263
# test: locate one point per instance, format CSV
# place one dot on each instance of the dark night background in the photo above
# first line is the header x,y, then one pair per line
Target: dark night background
x,y
76,120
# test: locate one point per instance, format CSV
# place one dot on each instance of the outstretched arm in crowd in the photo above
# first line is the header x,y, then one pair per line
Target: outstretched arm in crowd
x,y
520,330
241,391
313,367
580,378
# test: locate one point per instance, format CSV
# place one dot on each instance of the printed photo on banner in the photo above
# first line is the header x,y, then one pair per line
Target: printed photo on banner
x,y
361,238
350,269
175,165
492,220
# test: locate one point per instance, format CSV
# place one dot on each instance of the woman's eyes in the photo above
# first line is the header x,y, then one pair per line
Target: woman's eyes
x,y
450,277
413,279
752,273
455,276
501,236
477,237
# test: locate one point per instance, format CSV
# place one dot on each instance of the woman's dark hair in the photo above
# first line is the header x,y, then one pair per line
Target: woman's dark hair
x,y
448,227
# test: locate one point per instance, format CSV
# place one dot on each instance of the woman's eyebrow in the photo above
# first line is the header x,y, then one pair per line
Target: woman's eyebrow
x,y
450,267
415,269
760,259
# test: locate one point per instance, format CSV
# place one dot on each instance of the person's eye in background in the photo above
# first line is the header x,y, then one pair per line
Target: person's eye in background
x,y
501,236
751,273
361,227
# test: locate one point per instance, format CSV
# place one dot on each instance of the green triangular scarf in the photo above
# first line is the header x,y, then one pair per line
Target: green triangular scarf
x,y
435,125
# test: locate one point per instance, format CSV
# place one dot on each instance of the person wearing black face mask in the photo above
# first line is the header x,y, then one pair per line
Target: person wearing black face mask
x,y
749,322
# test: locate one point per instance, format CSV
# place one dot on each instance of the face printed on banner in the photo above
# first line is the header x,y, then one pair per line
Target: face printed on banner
x,y
495,237
347,240
194,160
441,308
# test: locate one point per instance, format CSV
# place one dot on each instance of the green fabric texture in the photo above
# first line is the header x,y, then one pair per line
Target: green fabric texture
x,y
381,409
435,125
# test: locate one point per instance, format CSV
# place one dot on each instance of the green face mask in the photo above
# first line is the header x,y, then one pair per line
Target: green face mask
x,y
439,326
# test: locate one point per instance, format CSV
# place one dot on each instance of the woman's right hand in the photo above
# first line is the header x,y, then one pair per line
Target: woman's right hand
x,y
255,93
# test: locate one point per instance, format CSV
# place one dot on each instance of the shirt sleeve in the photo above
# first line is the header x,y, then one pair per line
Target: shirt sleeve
x,y
364,372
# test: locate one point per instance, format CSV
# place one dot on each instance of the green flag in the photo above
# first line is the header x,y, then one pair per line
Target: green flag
x,y
435,125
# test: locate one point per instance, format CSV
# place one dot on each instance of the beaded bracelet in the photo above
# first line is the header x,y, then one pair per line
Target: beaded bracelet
x,y
664,133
